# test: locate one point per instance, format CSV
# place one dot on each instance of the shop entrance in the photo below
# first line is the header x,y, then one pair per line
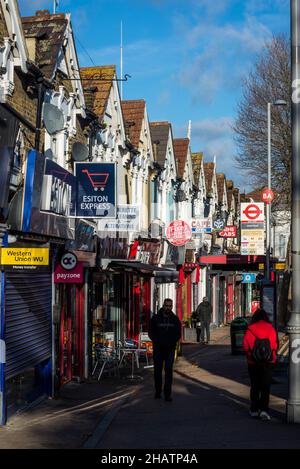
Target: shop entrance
x,y
71,336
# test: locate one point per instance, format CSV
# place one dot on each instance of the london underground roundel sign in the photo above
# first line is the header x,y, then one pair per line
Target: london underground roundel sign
x,y
178,233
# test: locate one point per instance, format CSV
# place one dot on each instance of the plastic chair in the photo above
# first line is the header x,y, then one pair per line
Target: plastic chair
x,y
106,359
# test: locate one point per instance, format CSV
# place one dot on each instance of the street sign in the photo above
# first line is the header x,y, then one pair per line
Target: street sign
x,y
252,212
267,196
178,233
249,278
252,229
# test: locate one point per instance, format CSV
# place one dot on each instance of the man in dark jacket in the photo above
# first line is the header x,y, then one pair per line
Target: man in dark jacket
x,y
204,313
164,331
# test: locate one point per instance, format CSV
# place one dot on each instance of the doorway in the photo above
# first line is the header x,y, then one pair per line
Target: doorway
x,y
71,336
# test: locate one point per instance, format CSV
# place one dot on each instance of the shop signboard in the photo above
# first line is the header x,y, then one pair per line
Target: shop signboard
x,y
228,232
51,221
84,237
178,233
149,253
74,275
25,258
58,190
249,278
127,220
219,224
200,225
96,190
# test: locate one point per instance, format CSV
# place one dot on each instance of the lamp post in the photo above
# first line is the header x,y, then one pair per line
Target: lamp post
x,y
278,102
293,328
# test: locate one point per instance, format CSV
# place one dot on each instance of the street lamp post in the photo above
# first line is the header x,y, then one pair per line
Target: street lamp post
x,y
293,329
278,102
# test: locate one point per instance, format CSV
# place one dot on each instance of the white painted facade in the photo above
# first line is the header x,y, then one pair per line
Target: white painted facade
x,y
13,53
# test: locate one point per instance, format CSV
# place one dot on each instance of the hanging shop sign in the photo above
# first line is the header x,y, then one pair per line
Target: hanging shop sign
x,y
228,232
25,209
200,225
219,224
96,190
127,220
149,253
84,237
68,261
66,275
248,278
178,233
58,190
113,248
21,258
252,229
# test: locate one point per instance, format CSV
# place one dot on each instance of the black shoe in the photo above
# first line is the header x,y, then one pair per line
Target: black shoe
x,y
168,399
157,395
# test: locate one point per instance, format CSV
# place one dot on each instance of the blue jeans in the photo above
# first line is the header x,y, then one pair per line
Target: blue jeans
x,y
161,356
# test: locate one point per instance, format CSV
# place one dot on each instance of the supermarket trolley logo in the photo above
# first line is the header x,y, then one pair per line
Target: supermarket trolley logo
x,y
97,180
96,190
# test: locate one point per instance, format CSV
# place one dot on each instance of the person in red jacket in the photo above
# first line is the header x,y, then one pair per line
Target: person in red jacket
x,y
260,344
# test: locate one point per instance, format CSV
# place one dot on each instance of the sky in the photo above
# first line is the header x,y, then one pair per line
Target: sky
x,y
186,58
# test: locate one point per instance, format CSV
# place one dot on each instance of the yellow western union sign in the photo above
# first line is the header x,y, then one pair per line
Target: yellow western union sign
x,y
25,256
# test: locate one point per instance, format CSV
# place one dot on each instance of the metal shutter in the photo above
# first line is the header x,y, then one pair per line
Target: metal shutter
x,y
28,320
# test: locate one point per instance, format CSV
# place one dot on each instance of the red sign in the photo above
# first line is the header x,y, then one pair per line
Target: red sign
x,y
178,233
267,196
75,275
229,232
252,212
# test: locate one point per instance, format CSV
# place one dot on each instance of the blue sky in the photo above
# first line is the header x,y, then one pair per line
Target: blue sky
x,y
186,58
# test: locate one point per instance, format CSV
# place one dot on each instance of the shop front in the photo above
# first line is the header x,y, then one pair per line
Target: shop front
x,y
27,290
26,322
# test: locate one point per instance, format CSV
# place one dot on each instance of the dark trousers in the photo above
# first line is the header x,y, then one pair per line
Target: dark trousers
x,y
205,327
163,356
260,379
198,332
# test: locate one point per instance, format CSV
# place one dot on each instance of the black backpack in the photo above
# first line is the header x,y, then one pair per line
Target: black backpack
x,y
261,352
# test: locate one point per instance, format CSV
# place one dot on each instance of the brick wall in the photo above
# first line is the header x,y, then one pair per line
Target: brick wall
x,y
3,28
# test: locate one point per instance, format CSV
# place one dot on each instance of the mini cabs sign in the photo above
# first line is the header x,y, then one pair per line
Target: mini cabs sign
x,y
20,258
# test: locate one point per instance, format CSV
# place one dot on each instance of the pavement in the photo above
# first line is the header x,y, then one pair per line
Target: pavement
x,y
210,409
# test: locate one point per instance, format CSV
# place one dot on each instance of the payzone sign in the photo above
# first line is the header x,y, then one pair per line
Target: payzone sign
x,y
96,190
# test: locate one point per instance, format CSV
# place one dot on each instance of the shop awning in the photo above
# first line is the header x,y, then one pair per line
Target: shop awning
x,y
137,266
166,276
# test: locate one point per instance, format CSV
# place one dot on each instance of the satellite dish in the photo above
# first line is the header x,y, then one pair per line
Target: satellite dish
x,y
181,195
80,152
99,138
49,154
53,119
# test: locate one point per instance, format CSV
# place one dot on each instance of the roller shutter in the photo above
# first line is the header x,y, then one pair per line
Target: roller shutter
x,y
27,320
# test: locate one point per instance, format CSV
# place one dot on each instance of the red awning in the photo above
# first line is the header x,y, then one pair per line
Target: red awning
x,y
231,259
